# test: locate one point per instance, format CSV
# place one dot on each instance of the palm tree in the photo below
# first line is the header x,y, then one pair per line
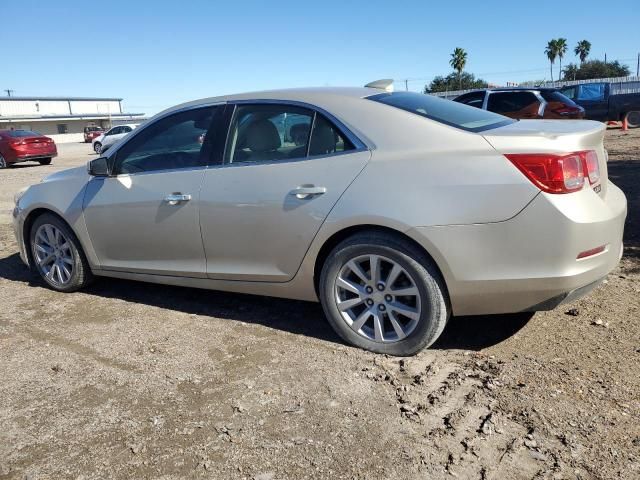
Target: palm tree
x,y
551,51
458,61
582,49
561,45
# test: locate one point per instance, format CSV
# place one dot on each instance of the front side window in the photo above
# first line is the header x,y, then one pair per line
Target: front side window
x,y
266,133
443,111
180,140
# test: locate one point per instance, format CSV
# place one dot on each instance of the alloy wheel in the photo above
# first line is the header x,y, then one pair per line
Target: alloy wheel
x,y
3,162
97,147
378,298
53,254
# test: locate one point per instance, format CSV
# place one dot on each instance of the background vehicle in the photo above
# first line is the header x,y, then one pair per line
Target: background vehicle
x,y
521,103
111,136
602,103
25,145
432,208
92,132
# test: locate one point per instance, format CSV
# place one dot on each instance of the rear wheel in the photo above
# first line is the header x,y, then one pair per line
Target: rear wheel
x,y
381,293
45,161
97,147
633,119
57,254
3,162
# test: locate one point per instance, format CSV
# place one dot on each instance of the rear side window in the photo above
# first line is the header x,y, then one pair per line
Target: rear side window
x,y
326,139
271,132
512,102
473,99
551,96
443,111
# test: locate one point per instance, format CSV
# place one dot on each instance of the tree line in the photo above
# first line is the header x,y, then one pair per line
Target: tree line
x,y
555,49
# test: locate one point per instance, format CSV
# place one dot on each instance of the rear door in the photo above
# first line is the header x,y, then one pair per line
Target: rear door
x,y
284,169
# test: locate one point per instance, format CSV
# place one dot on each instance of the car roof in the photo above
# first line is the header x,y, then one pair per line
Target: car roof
x,y
310,95
514,89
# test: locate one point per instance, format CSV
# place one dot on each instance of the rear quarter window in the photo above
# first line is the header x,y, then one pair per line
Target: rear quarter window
x,y
448,112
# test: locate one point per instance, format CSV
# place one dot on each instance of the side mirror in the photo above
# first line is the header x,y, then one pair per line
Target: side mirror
x,y
98,167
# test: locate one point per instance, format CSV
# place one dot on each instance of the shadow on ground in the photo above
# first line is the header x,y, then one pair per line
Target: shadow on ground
x,y
302,318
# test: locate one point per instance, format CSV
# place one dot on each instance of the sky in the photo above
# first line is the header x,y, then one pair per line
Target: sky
x,y
155,54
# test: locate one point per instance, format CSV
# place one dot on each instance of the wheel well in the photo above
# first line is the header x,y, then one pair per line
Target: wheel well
x,y
338,237
26,228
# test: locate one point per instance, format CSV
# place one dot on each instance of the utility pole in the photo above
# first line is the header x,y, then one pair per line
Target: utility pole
x,y
605,58
638,67
406,82
9,91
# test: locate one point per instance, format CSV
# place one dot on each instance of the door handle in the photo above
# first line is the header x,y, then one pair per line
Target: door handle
x,y
176,198
307,191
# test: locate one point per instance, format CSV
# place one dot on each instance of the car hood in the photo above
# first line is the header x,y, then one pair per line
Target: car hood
x,y
99,138
79,173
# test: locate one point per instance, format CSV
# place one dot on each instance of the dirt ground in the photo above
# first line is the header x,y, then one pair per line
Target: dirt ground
x,y
130,380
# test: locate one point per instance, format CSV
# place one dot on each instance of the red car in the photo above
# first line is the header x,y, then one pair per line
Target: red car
x,y
92,132
24,145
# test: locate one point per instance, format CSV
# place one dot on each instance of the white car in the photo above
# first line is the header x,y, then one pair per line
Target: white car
x,y
111,136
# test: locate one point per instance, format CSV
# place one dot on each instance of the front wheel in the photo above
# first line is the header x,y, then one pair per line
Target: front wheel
x,y
633,119
57,255
97,147
382,293
45,161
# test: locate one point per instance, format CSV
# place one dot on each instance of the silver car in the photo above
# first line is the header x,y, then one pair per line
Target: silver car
x,y
395,210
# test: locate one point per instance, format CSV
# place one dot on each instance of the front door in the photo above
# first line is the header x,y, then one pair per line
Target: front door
x,y
144,218
284,169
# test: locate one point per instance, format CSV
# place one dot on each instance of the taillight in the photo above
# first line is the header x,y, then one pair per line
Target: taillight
x,y
593,168
15,143
551,173
558,173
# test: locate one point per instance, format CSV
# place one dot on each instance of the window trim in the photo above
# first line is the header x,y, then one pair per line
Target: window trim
x,y
226,122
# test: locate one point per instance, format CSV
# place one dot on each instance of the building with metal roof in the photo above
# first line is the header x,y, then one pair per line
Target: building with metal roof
x,y
63,118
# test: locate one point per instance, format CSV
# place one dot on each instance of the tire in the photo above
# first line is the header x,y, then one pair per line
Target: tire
x,y
633,119
3,162
45,161
428,302
97,147
72,258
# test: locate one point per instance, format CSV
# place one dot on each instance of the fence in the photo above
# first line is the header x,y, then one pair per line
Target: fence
x,y
619,85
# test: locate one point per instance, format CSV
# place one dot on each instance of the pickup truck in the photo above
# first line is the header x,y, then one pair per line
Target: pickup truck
x,y
606,101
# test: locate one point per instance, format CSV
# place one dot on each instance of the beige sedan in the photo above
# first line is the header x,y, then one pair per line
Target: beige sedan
x,y
395,210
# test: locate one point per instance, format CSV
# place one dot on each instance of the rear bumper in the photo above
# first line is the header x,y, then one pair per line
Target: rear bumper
x,y
25,157
530,262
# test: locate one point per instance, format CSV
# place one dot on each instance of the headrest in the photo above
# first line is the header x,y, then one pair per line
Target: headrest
x,y
262,136
323,140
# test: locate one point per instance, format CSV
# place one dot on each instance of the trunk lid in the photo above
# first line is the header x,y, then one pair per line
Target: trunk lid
x,y
553,136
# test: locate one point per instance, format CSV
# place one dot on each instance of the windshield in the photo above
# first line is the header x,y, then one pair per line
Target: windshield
x,y
444,111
